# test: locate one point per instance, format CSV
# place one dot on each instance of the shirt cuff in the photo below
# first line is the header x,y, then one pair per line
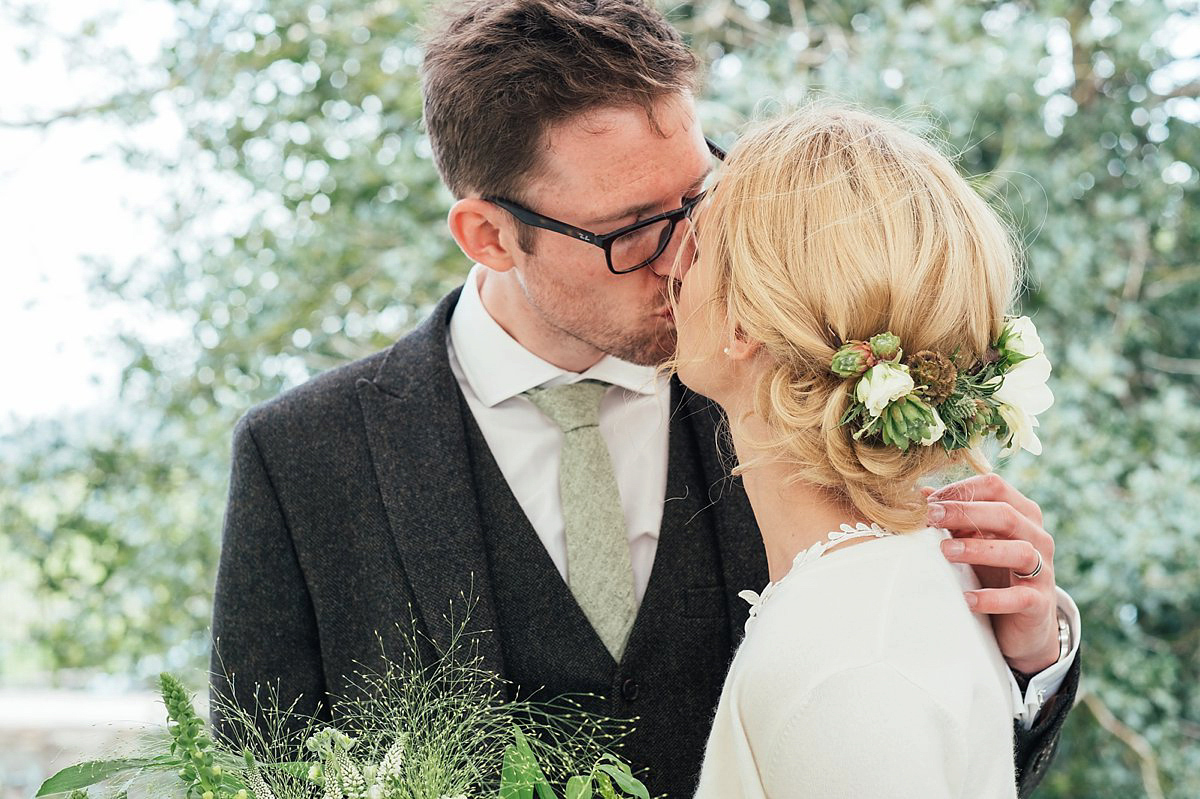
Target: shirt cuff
x,y
1046,683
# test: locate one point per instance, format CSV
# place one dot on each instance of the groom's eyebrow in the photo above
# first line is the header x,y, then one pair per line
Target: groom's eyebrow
x,y
638,210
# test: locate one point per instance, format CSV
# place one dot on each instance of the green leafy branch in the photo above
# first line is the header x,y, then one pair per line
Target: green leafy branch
x,y
522,778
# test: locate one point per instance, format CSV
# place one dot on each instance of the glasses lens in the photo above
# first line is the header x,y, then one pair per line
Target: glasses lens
x,y
639,247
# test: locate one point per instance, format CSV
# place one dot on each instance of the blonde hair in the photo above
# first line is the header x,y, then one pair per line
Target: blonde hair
x,y
830,224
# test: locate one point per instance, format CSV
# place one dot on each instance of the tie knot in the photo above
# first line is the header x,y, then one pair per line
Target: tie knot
x,y
571,405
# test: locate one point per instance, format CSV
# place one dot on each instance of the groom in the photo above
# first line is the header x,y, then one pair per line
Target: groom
x,y
469,458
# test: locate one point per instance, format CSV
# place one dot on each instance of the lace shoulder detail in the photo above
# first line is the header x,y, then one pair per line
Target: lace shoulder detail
x,y
832,539
839,536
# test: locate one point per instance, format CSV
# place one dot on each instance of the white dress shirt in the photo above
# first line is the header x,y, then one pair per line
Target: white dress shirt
x,y
493,370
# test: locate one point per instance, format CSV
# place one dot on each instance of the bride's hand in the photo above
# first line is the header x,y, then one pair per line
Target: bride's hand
x,y
1001,534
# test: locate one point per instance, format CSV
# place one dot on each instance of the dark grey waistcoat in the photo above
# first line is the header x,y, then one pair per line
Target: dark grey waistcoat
x,y
670,674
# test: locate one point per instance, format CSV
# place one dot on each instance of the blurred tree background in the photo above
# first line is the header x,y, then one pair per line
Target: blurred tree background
x,y
306,229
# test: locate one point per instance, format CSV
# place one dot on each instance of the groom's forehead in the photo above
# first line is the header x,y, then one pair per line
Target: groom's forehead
x,y
620,151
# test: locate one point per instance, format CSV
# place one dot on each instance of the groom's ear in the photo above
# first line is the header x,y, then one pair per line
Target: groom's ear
x,y
484,232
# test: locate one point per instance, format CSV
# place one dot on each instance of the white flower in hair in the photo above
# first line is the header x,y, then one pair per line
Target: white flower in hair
x,y
1021,337
936,431
882,384
1022,395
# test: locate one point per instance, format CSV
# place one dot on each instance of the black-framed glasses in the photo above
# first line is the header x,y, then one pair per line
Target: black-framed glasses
x,y
626,249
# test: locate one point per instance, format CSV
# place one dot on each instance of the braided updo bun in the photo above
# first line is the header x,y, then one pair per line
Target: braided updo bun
x,y
830,224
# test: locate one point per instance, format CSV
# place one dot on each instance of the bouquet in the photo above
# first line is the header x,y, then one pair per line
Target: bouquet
x,y
410,731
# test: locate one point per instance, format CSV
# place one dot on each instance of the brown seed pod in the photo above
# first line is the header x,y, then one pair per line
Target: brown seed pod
x,y
934,371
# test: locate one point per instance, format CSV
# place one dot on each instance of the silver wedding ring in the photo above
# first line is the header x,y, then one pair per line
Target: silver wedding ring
x,y
1037,570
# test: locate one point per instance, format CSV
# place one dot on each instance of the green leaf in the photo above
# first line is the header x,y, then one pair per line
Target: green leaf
x,y
609,757
533,770
82,775
232,783
604,787
626,781
579,788
522,743
515,779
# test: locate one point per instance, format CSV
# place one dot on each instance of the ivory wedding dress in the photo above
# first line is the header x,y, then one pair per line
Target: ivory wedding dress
x,y
863,674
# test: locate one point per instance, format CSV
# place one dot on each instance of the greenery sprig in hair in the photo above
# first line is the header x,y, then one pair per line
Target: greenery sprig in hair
x,y
927,398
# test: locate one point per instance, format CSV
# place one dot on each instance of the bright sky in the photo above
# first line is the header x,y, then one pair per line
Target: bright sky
x,y
65,195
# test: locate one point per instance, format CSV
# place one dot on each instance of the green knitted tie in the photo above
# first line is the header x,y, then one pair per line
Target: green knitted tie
x,y
599,571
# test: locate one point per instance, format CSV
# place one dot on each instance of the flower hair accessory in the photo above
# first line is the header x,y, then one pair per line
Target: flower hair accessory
x,y
926,398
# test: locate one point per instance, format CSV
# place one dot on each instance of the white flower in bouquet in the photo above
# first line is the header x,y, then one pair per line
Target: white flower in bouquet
x,y
1022,395
882,384
389,767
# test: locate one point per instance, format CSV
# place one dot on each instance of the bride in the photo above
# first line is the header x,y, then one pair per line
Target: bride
x,y
846,308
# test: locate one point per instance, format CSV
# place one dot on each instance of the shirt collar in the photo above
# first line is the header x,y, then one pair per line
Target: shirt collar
x,y
499,368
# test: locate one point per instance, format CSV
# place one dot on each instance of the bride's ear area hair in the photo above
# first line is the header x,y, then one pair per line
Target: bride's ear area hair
x,y
741,347
834,225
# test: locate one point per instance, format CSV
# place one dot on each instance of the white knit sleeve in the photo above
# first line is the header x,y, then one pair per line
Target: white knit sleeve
x,y
868,731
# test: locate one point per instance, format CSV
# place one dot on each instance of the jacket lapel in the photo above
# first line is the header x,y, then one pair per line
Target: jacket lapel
x,y
413,416
743,559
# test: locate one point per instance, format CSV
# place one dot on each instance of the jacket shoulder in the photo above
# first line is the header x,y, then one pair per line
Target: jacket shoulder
x,y
329,400
322,400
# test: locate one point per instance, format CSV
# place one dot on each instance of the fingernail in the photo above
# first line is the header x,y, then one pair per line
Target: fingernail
x,y
972,600
936,513
953,547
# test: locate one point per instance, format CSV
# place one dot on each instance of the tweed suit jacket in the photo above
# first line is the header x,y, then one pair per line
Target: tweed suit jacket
x,y
351,511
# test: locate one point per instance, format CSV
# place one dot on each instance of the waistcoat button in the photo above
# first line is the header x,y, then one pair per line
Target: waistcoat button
x,y
629,689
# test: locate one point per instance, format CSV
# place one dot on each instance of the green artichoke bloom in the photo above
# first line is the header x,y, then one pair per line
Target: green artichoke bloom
x,y
852,359
909,421
886,346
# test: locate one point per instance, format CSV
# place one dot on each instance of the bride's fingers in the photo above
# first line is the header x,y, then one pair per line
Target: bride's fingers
x,y
1019,557
988,488
991,520
1007,601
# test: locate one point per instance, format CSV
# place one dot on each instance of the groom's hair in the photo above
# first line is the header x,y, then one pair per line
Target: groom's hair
x,y
498,73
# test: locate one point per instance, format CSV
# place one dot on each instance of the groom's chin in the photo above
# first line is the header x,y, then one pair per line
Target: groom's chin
x,y
657,349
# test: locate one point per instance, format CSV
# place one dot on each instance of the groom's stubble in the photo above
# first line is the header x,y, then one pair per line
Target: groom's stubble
x,y
574,311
